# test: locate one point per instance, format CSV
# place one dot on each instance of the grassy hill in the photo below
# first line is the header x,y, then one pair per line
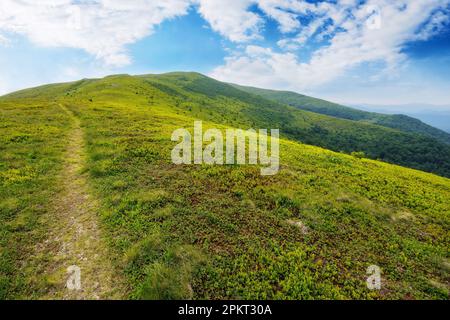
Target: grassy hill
x,y
201,232
212,100
398,121
207,99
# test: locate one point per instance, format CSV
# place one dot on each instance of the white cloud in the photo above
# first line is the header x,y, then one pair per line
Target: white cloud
x,y
338,30
261,67
102,28
356,43
280,11
231,18
435,24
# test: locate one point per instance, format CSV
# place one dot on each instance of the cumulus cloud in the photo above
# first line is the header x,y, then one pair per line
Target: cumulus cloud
x,y
344,33
259,66
434,25
231,19
102,28
356,37
281,11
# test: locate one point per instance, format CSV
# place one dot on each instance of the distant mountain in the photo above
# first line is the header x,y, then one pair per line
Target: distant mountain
x,y
396,121
434,115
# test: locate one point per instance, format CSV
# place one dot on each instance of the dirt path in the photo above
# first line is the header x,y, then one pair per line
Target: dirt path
x,y
78,265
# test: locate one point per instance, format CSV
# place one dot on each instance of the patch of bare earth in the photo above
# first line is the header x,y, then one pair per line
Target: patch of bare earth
x,y
74,237
299,224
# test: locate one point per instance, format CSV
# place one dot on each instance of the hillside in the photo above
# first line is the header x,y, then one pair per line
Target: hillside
x,y
196,95
209,232
396,121
209,99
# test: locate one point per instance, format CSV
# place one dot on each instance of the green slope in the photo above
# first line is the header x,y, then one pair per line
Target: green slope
x,y
398,121
196,95
209,99
217,231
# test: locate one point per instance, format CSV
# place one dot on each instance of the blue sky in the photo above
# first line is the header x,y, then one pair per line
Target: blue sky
x,y
349,51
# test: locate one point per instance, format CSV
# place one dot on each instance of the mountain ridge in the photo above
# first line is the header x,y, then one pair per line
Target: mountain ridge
x,y
208,99
396,121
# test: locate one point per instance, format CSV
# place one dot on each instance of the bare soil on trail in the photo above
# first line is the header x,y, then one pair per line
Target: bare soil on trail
x,y
74,237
